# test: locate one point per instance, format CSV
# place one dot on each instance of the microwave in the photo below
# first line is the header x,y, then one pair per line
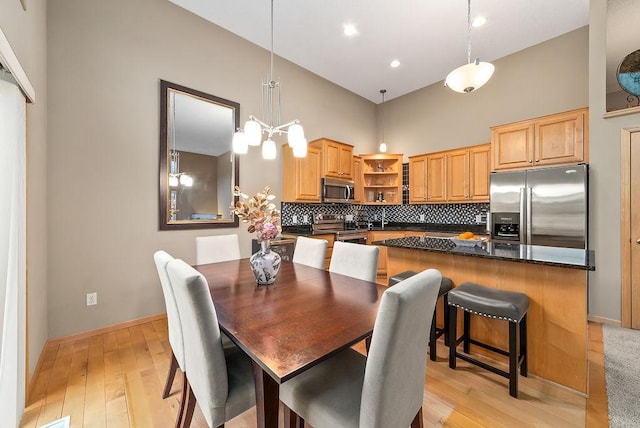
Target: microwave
x,y
337,190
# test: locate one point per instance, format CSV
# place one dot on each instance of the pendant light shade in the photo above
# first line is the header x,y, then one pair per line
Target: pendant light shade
x,y
269,149
473,75
239,143
252,132
469,77
300,149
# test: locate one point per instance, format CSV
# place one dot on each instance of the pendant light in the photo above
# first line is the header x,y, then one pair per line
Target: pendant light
x,y
175,176
383,145
254,127
473,75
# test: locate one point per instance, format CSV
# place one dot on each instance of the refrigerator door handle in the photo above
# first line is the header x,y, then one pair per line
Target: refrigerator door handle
x,y
529,222
523,215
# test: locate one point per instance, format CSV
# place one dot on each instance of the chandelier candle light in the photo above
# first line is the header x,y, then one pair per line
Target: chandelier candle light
x,y
254,127
473,75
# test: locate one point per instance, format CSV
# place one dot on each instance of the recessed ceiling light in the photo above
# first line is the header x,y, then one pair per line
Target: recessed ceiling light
x,y
479,21
350,30
395,63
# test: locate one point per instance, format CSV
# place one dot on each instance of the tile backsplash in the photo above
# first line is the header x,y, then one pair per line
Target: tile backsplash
x,y
433,213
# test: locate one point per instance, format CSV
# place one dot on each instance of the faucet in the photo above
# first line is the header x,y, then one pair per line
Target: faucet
x,y
383,222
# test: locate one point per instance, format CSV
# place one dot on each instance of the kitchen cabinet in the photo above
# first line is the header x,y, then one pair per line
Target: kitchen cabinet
x,y
381,235
301,176
558,139
357,179
382,179
427,178
468,174
337,158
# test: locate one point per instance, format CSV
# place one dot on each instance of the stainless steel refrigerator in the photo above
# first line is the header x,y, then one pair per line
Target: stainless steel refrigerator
x,y
546,206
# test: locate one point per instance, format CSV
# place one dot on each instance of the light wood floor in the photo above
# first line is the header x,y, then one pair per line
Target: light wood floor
x,y
115,379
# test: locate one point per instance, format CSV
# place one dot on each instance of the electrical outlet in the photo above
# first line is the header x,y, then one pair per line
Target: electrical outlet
x,y
479,218
92,299
305,218
421,217
294,219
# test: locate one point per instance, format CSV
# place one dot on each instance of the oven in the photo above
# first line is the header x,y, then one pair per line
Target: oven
x,y
357,236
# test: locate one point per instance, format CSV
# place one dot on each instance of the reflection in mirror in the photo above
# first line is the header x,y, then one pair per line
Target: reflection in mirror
x,y
198,169
623,38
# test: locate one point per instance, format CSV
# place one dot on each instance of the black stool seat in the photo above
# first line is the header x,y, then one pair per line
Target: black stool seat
x,y
445,286
499,304
490,302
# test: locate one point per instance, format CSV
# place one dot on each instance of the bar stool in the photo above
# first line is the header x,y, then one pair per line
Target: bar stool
x,y
445,286
491,303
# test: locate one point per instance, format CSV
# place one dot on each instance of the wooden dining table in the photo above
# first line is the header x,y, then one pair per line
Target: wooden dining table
x,y
305,317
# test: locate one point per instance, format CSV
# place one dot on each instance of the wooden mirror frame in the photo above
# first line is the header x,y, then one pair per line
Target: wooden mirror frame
x,y
165,222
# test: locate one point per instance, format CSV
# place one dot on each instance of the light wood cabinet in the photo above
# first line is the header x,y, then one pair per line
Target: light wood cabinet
x,y
427,178
357,179
301,176
330,238
337,158
558,139
468,174
382,179
380,235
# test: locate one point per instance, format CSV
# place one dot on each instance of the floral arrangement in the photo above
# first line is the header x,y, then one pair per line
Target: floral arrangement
x,y
259,212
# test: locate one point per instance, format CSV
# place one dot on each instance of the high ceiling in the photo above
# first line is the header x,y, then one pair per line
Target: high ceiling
x,y
428,37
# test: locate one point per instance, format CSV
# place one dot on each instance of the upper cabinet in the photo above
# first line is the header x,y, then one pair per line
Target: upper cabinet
x,y
558,139
301,176
382,179
427,178
460,175
357,179
337,158
468,174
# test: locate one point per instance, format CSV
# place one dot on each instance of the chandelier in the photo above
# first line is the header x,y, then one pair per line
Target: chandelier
x,y
473,75
175,176
255,128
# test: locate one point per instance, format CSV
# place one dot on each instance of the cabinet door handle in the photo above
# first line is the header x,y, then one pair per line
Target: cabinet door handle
x,y
638,241
537,160
530,161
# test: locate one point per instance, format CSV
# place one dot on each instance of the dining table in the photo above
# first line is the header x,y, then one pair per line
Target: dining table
x,y
304,317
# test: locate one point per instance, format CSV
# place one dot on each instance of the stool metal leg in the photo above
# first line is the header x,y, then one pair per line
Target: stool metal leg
x,y
466,331
453,336
523,345
513,359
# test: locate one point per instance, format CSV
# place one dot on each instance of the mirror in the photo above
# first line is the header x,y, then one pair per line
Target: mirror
x,y
198,169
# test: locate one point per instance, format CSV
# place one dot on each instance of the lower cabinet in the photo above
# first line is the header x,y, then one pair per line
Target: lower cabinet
x,y
330,238
381,235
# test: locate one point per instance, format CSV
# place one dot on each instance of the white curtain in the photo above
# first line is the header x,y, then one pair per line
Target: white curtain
x,y
12,251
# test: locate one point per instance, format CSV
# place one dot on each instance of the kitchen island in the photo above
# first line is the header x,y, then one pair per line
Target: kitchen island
x,y
554,279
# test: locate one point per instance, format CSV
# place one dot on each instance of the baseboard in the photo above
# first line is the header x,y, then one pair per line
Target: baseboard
x,y
52,343
603,320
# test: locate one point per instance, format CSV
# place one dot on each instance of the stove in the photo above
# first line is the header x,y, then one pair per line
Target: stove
x,y
334,223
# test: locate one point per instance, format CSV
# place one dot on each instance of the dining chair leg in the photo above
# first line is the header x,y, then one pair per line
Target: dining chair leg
x,y
291,418
183,399
190,407
417,421
173,367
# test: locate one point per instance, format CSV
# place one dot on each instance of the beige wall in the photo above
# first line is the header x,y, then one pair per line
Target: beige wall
x,y
105,61
604,287
547,78
26,32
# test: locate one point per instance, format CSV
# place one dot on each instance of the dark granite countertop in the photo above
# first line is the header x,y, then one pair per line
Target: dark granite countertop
x,y
479,229
550,256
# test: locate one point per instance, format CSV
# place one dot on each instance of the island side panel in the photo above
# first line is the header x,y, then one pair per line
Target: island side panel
x,y
557,317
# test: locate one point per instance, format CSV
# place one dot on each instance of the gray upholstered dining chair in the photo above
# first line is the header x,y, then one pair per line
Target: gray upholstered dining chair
x,y
219,379
162,259
310,252
355,260
384,389
217,248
